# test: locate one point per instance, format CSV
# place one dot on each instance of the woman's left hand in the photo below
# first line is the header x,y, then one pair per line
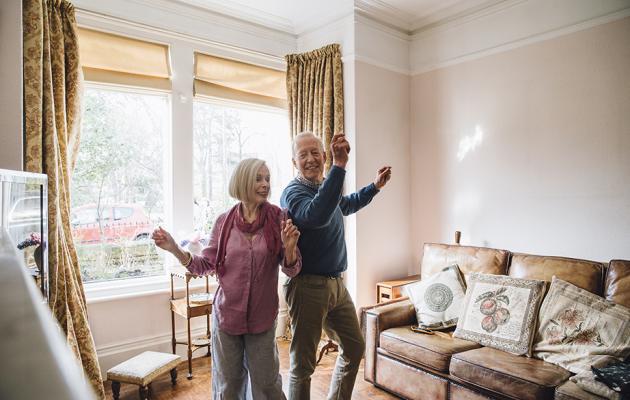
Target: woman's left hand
x,y
289,234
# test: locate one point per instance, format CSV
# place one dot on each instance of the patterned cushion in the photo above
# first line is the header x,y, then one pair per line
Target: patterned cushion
x,y
500,312
577,328
143,368
438,299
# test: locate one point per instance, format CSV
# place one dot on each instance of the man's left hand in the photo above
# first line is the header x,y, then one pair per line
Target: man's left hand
x,y
382,176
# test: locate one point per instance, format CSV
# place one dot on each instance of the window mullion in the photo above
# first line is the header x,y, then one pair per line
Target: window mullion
x,y
181,188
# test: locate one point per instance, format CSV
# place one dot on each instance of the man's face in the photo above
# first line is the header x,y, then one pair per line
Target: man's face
x,y
309,158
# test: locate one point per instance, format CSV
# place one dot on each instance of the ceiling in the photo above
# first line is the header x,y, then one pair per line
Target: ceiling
x,y
298,16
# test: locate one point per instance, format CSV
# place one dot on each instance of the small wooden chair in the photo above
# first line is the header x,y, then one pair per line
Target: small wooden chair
x,y
141,370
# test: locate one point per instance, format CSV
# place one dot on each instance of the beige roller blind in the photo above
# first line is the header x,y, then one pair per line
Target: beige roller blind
x,y
228,79
121,60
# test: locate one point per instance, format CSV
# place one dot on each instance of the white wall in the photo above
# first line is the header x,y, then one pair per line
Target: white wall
x,y
11,84
527,149
383,228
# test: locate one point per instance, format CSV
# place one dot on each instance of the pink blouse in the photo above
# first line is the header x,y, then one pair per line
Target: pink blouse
x,y
247,298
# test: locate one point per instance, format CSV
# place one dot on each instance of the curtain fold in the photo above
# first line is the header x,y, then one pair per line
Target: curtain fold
x,y
315,93
52,112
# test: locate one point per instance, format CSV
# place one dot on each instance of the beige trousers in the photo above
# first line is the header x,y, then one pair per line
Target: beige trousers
x,y
316,303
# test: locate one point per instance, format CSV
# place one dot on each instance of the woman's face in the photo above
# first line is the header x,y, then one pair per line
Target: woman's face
x,y
262,185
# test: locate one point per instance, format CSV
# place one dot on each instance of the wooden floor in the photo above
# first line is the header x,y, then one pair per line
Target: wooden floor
x,y
199,388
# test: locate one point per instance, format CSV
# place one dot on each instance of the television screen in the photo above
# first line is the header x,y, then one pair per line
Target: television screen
x,y
23,217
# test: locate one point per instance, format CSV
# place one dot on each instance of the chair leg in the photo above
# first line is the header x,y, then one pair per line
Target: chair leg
x,y
174,376
116,389
144,393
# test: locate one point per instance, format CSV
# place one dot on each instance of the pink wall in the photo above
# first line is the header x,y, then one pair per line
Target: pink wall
x,y
527,149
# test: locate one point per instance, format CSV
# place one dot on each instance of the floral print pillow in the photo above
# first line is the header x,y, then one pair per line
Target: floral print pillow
x,y
500,312
577,328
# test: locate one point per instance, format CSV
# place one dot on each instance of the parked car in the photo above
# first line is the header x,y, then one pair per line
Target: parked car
x,y
113,223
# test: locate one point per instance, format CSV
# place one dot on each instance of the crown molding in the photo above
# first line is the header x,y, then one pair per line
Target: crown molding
x,y
244,13
485,9
449,37
458,11
385,14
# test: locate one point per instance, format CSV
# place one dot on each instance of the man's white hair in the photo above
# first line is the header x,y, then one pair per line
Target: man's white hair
x,y
306,134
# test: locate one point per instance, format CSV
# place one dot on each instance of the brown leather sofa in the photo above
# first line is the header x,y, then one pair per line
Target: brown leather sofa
x,y
419,366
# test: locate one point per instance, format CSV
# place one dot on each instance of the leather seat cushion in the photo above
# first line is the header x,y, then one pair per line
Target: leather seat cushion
x,y
433,351
514,376
571,391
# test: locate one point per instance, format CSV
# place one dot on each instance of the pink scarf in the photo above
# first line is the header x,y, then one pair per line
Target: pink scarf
x,y
268,218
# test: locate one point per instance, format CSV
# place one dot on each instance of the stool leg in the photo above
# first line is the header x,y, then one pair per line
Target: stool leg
x,y
116,389
174,376
144,393
190,375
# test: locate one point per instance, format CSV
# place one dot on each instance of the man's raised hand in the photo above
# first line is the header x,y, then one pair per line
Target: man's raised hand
x,y
340,148
383,175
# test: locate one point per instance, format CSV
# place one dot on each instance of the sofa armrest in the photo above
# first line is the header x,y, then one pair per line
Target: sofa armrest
x,y
376,319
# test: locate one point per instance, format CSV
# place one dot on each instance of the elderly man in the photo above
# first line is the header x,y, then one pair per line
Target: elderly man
x,y
317,297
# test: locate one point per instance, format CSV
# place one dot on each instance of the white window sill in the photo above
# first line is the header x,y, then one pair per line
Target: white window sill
x,y
99,292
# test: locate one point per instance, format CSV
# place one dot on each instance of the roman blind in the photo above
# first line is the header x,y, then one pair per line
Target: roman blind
x,y
121,60
235,80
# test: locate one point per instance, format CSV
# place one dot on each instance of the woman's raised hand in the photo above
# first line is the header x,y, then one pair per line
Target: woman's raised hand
x,y
290,234
164,240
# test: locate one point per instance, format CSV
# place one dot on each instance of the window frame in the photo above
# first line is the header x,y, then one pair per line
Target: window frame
x,y
178,184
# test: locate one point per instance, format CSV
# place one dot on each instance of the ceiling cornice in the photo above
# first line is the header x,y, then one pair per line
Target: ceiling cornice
x,y
244,13
384,13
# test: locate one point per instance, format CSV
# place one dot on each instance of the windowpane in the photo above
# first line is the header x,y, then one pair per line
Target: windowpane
x,y
118,183
224,134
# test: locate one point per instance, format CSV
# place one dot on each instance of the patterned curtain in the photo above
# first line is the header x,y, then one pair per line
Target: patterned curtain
x,y
52,112
315,93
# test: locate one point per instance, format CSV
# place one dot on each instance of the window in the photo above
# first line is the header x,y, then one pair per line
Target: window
x,y
224,134
149,135
118,183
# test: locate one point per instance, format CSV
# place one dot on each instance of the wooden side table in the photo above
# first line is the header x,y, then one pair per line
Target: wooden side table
x,y
388,290
187,309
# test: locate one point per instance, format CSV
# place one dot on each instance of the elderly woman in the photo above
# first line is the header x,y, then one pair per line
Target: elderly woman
x,y
247,244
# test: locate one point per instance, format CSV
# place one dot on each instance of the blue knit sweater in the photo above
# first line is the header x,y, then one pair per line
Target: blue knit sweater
x,y
318,214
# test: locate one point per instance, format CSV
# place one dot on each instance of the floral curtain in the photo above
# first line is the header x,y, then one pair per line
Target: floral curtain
x,y
52,112
315,93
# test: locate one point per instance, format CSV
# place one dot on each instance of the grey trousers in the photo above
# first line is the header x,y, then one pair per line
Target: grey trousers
x,y
245,366
317,302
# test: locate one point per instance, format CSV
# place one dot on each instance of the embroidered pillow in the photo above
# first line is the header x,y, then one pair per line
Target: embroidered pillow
x,y
438,299
500,312
577,328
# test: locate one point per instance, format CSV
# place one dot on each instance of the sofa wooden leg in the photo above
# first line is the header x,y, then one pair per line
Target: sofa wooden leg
x,y
144,393
173,376
116,389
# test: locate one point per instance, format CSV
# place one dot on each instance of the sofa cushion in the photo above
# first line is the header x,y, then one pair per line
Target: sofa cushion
x,y
571,391
438,299
577,329
582,273
501,312
511,375
617,284
433,351
469,259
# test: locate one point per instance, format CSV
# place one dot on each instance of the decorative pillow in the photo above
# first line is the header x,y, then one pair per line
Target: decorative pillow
x,y
438,299
500,312
577,328
587,382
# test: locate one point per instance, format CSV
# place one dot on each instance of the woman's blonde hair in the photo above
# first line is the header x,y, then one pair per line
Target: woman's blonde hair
x,y
243,179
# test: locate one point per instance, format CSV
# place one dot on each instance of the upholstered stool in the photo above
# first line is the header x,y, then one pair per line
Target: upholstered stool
x,y
142,370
